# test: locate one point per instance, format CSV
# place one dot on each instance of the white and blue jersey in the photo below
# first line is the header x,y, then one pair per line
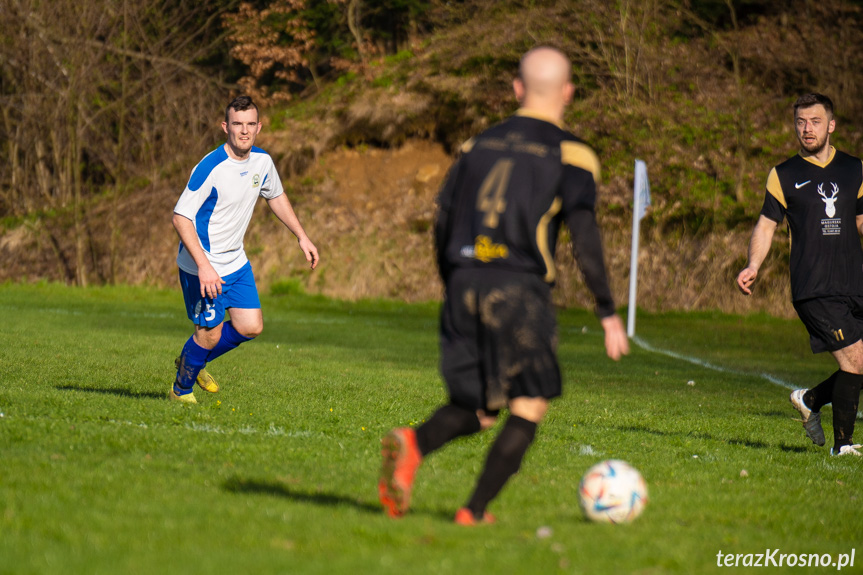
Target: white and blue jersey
x,y
219,199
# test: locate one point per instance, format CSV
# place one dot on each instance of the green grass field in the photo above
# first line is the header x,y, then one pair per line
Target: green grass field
x,y
100,473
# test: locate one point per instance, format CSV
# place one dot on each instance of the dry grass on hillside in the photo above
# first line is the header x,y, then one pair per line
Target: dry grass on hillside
x,y
363,158
370,210
370,213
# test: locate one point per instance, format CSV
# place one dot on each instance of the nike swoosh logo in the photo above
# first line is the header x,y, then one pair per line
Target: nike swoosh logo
x,y
798,186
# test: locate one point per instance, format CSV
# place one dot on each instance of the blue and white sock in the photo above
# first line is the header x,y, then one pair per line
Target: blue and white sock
x,y
229,340
192,361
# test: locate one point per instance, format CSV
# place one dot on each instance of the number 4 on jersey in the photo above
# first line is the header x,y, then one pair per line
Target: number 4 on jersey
x,y
491,200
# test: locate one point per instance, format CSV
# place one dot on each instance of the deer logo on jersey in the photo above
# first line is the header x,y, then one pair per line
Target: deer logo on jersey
x,y
830,203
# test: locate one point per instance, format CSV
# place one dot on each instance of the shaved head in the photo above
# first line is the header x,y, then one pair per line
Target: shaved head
x,y
543,84
544,71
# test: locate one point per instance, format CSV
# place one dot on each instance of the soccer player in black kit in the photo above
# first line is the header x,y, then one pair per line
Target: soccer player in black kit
x,y
820,193
500,210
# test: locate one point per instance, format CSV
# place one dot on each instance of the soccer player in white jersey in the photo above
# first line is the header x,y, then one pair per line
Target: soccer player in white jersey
x,y
211,218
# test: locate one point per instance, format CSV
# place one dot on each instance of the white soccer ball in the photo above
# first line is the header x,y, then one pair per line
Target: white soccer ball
x,y
612,491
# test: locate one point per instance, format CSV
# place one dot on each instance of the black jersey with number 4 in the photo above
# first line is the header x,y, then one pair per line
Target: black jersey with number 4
x,y
505,198
821,203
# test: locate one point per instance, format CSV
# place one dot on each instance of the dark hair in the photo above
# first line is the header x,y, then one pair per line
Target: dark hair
x,y
807,100
241,104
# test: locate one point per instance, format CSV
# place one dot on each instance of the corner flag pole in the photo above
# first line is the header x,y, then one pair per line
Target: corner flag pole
x,y
641,193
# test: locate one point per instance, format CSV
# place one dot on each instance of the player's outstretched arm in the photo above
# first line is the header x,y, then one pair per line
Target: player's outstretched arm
x,y
616,342
283,210
759,245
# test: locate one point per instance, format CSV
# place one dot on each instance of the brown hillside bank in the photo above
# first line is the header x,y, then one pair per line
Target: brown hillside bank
x,y
370,213
702,91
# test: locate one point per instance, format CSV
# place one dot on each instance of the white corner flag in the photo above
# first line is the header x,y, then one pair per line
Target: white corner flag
x,y
641,191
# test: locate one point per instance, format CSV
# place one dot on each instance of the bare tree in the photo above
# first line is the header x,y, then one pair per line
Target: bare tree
x,y
354,19
96,95
615,42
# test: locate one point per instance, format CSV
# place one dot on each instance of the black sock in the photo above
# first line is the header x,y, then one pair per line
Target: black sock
x,y
504,460
846,398
821,394
447,423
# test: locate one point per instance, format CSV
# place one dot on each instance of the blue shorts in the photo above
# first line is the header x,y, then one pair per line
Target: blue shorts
x,y
239,290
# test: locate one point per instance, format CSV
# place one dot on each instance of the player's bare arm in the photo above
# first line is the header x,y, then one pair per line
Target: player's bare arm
x,y
859,222
211,283
759,246
283,210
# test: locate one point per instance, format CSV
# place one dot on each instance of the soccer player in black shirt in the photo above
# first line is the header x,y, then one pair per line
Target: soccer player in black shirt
x,y
820,193
500,210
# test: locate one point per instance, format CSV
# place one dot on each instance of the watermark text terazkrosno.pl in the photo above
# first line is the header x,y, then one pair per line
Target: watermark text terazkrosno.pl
x,y
776,558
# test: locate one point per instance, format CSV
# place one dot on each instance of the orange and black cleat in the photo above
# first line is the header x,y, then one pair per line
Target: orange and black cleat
x,y
464,516
401,458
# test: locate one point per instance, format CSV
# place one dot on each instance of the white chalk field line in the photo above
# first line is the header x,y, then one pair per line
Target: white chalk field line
x,y
701,363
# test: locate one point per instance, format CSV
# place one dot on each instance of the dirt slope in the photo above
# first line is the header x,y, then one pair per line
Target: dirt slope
x,y
370,213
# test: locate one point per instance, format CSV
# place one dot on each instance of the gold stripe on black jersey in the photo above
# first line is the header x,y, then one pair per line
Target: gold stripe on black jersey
x,y
542,238
504,201
860,190
774,188
581,156
821,202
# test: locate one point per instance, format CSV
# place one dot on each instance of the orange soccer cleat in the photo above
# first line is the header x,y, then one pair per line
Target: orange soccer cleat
x,y
401,458
464,516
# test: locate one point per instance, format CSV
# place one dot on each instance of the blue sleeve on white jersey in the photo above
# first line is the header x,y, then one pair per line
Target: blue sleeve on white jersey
x,y
205,167
202,218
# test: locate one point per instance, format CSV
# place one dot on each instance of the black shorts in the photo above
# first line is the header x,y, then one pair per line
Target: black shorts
x,y
833,322
498,337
